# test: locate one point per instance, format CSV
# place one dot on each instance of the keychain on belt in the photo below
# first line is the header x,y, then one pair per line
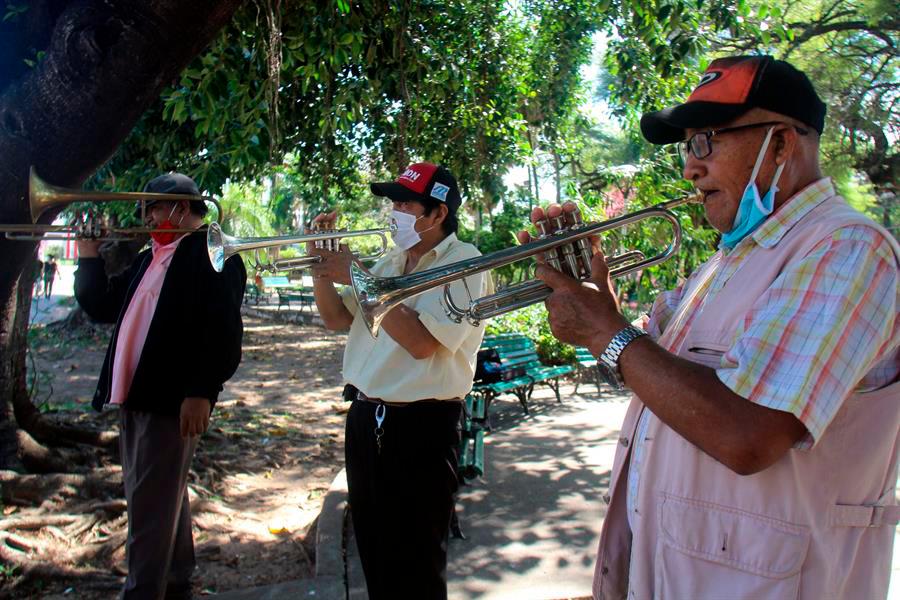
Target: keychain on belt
x,y
380,411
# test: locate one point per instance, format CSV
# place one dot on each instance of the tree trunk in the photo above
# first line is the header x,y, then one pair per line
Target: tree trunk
x,y
104,65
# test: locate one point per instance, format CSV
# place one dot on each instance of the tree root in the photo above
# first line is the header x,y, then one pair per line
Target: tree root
x,y
30,490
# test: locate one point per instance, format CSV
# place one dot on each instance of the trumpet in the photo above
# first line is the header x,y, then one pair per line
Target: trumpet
x,y
43,196
566,248
221,246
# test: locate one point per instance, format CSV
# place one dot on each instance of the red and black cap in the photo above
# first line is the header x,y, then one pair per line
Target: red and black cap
x,y
419,182
732,86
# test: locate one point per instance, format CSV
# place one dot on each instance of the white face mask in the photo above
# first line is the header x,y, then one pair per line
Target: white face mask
x,y
406,236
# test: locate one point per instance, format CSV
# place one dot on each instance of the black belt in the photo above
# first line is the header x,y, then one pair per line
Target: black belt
x,y
361,396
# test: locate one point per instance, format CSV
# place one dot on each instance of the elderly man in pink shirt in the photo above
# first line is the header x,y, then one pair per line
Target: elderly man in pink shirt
x,y
758,458
177,340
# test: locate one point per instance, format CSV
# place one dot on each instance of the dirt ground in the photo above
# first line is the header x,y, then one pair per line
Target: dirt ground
x,y
258,479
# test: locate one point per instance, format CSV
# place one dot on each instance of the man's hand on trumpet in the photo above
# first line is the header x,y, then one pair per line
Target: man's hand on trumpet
x,y
335,266
585,313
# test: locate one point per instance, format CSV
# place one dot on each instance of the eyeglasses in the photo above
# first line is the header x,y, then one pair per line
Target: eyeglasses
x,y
700,144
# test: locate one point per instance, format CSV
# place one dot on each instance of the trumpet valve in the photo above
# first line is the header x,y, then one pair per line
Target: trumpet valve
x,y
584,246
551,256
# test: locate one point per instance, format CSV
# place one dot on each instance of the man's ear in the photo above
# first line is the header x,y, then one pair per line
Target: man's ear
x,y
785,141
442,211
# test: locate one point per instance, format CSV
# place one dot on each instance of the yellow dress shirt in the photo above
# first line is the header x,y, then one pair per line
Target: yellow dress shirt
x,y
381,368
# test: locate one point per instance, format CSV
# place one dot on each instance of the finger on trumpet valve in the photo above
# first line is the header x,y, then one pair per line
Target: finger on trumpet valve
x,y
584,246
551,256
567,250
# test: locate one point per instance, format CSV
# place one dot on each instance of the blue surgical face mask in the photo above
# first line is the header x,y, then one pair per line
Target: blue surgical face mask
x,y
753,210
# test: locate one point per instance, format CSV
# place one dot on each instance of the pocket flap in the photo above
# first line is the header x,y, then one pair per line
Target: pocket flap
x,y
705,351
740,539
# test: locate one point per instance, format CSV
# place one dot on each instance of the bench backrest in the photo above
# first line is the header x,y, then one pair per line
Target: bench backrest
x,y
514,349
275,281
584,357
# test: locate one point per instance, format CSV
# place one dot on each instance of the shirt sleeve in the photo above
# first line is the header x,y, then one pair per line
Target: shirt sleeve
x,y
823,324
433,315
349,300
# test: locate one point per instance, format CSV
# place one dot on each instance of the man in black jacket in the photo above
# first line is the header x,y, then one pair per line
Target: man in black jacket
x,y
177,340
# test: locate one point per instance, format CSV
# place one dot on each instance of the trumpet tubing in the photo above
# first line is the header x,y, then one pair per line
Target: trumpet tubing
x,y
221,247
43,196
567,248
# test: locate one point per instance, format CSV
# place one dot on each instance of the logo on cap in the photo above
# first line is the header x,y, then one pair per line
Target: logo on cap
x,y
439,191
709,77
410,174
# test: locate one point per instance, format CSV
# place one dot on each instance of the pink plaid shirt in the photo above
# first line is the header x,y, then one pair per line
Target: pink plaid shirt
x,y
808,342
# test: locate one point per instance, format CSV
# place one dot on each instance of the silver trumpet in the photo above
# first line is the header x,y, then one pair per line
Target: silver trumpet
x,y
221,247
567,249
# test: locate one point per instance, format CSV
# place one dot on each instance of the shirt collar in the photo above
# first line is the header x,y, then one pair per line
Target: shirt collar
x,y
399,256
161,252
791,212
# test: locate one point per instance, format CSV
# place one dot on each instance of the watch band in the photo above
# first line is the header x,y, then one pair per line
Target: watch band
x,y
617,344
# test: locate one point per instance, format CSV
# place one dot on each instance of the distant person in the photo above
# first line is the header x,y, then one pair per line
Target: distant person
x,y
38,284
177,341
49,275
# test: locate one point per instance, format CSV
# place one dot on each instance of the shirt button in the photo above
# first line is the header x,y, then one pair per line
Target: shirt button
x,y
606,498
624,441
604,570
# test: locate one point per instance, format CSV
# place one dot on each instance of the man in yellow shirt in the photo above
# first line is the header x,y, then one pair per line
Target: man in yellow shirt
x,y
406,386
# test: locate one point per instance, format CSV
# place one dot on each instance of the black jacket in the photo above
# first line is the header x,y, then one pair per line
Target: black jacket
x,y
193,345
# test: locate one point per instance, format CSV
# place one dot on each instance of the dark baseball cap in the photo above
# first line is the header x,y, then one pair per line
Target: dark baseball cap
x,y
419,182
172,183
732,86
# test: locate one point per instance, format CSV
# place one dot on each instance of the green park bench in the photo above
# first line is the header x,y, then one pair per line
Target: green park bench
x,y
588,372
471,443
251,293
301,295
518,353
271,282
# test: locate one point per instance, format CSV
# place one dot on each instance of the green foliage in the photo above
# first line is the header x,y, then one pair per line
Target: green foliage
x,y
352,92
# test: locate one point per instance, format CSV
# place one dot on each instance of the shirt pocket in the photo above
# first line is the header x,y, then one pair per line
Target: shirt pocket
x,y
706,353
708,551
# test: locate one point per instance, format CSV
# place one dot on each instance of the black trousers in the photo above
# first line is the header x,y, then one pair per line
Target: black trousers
x,y
401,496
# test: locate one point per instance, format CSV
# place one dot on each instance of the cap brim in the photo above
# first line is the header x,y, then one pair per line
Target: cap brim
x,y
667,126
147,204
395,191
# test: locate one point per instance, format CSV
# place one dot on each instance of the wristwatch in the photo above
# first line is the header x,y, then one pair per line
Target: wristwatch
x,y
608,362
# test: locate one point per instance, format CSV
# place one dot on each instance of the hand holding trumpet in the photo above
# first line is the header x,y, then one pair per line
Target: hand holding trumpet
x,y
335,264
585,312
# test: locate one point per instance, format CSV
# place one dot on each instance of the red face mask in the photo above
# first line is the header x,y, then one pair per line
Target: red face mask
x,y
164,238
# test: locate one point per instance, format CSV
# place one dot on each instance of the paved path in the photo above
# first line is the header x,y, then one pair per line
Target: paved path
x,y
58,305
533,522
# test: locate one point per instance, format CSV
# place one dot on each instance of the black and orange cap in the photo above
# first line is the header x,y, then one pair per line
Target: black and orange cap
x,y
732,86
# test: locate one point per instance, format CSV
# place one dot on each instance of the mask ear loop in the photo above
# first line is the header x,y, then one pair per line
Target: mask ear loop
x,y
756,167
773,189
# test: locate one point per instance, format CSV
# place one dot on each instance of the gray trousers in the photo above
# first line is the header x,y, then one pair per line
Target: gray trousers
x,y
155,464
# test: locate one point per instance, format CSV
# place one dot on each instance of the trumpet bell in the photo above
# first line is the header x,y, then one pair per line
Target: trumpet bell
x,y
215,246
